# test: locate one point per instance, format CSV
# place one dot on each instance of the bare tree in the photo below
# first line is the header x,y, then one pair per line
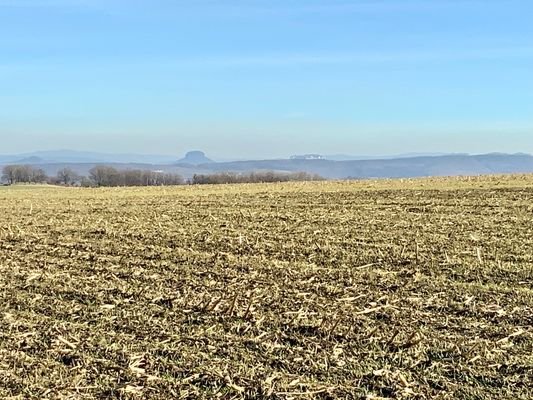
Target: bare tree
x,y
102,175
23,173
38,175
253,177
67,176
9,174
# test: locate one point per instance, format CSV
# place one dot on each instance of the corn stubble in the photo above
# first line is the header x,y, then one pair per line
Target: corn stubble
x,y
414,289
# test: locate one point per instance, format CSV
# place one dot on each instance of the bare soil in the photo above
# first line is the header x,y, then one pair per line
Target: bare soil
x,y
403,289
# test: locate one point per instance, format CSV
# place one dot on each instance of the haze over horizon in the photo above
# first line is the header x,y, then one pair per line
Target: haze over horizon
x,y
266,79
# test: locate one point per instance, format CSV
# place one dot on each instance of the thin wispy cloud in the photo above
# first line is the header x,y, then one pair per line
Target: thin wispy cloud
x,y
236,8
55,4
295,59
239,8
80,66
367,57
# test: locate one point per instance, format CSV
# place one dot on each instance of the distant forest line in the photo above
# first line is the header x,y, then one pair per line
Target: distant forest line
x,y
106,176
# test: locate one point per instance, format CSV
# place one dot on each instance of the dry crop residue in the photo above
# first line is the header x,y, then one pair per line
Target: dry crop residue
x,y
415,289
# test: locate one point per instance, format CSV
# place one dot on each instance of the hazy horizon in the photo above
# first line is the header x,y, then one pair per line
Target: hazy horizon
x,y
78,154
266,79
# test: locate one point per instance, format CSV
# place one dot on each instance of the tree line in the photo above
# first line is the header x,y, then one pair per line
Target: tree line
x,y
253,177
107,176
23,173
100,175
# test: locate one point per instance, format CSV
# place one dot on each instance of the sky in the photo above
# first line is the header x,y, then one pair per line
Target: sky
x,y
266,78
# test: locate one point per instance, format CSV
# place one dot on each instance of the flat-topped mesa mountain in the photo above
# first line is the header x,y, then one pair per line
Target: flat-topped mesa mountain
x,y
196,162
195,158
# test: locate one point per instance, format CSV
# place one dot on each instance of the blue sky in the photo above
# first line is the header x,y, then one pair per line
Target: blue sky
x,y
262,78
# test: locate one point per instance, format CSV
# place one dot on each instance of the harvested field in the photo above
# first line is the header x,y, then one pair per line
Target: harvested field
x,y
403,289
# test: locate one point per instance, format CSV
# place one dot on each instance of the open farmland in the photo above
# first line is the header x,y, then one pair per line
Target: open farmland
x,y
407,289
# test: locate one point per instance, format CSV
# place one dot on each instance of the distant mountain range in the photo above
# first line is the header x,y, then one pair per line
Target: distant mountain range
x,y
333,167
347,157
193,157
445,165
73,156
